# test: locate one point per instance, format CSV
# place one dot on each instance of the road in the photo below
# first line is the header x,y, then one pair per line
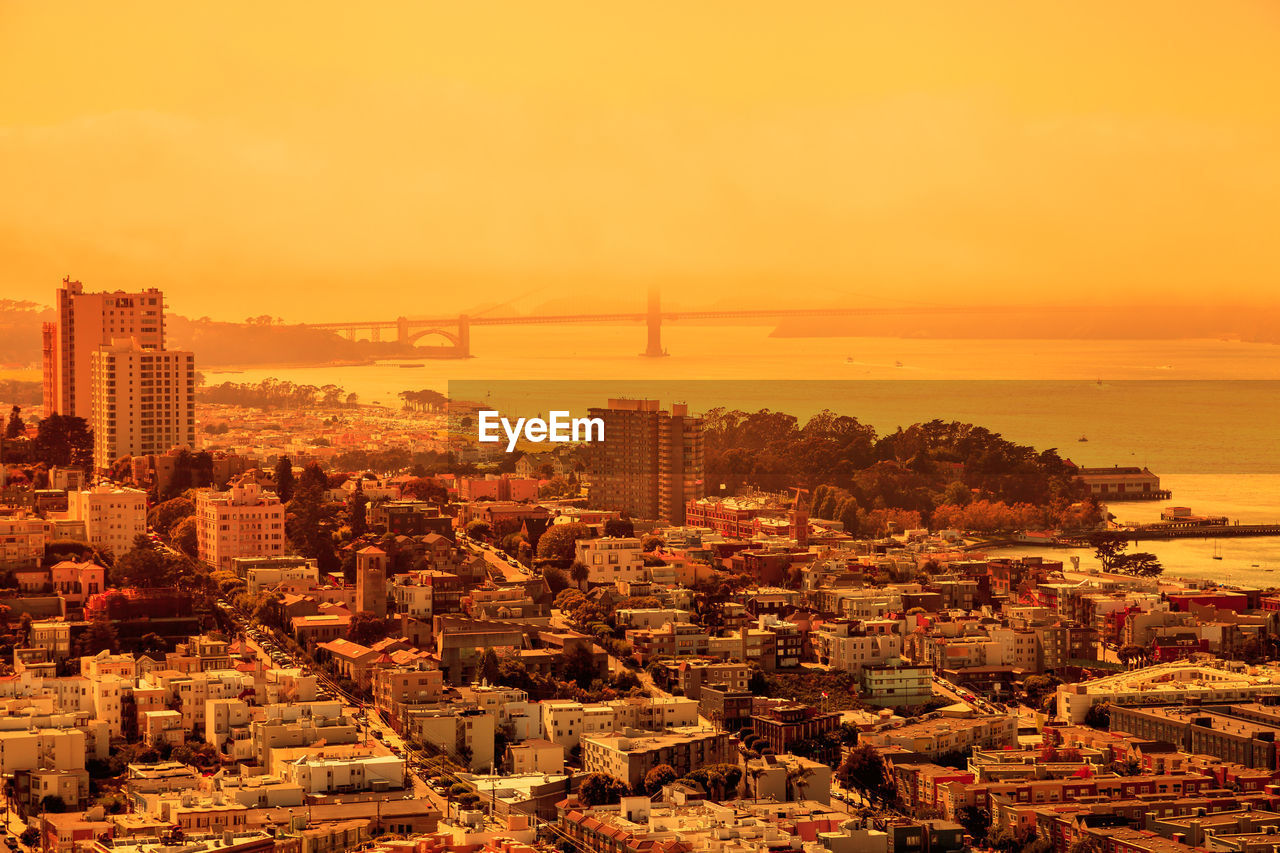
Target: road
x,y
267,646
498,561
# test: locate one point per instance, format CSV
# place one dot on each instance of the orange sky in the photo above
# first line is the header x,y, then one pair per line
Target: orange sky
x,y
285,158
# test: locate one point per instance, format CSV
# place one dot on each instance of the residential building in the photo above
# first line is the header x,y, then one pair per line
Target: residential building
x,y
897,684
113,516
784,725
87,321
142,401
631,754
1177,682
611,559
650,463
22,541
245,521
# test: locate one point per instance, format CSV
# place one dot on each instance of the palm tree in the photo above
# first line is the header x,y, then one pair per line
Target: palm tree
x,y
579,573
755,773
798,780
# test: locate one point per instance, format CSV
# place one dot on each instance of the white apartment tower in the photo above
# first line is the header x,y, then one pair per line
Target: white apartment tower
x,y
142,400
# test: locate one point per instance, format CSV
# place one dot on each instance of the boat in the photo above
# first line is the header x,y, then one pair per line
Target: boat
x,y
1216,555
1083,438
898,364
411,365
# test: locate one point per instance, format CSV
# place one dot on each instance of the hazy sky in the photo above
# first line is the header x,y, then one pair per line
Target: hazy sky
x,y
316,160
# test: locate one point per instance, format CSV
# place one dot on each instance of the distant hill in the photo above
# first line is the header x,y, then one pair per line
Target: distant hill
x,y
20,331
215,344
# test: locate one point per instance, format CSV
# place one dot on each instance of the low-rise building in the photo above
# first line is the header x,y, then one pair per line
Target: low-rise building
x,y
630,755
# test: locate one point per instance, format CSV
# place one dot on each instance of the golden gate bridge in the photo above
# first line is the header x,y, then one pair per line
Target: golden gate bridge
x,y
456,331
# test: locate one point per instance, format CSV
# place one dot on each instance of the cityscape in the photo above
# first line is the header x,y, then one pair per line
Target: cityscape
x,y
689,428
267,617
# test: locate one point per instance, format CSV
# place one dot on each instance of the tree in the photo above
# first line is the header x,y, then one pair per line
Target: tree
x,y
488,665
1037,687
976,821
601,789
658,777
64,440
152,645
164,516
556,579
142,567
1099,716
1141,564
366,628
864,769
98,637
579,574
30,837
357,511
1107,546
479,529
284,479
184,536
619,528
16,428
652,543
559,541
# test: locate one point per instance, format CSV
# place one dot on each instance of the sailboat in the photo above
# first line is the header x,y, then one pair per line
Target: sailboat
x,y
1216,554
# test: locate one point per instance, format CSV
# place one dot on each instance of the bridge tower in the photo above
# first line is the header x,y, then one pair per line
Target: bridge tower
x,y
463,347
402,330
654,322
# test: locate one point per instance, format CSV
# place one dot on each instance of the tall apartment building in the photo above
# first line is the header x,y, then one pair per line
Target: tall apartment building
x,y
244,521
650,463
87,321
142,401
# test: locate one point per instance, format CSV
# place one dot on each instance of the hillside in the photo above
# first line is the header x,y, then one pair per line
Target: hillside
x,y
215,344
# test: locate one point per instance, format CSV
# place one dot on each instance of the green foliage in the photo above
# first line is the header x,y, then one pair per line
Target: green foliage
x,y
488,665
284,479
1038,687
184,537
64,440
976,821
1099,716
142,567
559,540
478,529
864,768
658,777
619,528
367,628
557,580
1141,564
911,470
600,789
273,393
1107,546
309,518
15,427
163,516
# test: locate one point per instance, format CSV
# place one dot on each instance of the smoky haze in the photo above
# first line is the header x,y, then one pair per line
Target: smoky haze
x,y
317,160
